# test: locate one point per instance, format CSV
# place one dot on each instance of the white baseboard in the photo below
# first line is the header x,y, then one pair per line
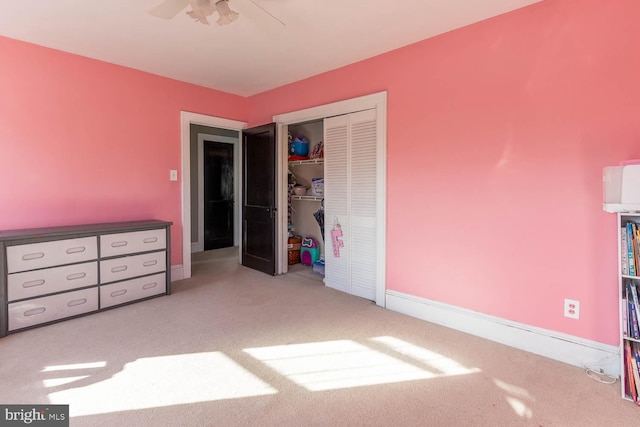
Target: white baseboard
x,y
195,247
177,272
554,345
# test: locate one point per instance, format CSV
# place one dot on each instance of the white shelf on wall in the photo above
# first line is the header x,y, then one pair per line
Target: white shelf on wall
x,y
307,198
307,162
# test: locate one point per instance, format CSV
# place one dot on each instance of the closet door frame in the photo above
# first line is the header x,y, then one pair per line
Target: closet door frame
x,y
377,101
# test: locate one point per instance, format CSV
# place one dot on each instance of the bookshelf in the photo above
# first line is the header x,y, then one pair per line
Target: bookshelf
x,y
629,296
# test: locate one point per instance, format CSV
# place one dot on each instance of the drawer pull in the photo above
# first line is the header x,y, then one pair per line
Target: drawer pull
x,y
32,283
35,311
76,250
119,244
29,257
150,263
150,240
119,269
150,285
76,276
75,302
118,293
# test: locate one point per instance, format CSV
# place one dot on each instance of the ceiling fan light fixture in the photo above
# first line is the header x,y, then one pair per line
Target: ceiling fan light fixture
x,y
225,13
201,9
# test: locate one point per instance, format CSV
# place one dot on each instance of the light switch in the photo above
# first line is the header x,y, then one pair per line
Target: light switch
x,y
173,175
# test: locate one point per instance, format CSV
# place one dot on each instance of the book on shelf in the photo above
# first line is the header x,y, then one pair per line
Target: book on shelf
x,y
634,331
634,367
634,295
629,367
633,322
625,318
630,250
624,252
636,247
636,364
626,372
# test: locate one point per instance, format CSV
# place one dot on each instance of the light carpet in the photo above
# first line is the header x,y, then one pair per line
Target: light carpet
x,y
235,347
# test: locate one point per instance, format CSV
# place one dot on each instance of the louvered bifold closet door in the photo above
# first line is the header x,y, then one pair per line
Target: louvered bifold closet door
x,y
336,200
350,198
362,196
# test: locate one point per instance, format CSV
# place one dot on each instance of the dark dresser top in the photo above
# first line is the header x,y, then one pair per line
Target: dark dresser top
x,y
109,227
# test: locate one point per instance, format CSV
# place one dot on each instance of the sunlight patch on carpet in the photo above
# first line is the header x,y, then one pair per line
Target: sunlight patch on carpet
x,y
519,407
516,397
74,366
161,381
341,364
442,364
55,382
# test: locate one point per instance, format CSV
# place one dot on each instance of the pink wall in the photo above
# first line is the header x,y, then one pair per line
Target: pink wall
x,y
83,141
497,136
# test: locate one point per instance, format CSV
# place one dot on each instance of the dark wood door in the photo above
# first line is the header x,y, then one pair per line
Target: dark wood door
x,y
218,195
259,198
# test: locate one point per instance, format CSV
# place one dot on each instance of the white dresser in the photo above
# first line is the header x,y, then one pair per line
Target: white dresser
x,y
50,274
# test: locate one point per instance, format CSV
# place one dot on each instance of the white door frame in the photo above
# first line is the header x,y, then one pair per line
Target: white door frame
x,y
377,101
186,120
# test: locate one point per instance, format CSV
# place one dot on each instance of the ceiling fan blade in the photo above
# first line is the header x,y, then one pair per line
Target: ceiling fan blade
x,y
257,14
168,9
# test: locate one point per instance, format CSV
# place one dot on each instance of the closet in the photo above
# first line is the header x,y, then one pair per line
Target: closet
x,y
352,200
303,207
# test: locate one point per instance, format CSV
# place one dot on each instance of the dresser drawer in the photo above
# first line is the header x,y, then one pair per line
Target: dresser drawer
x,y
54,307
131,290
48,254
30,284
126,267
128,243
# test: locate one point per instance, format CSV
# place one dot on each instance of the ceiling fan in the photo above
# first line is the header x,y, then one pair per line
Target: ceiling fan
x,y
201,9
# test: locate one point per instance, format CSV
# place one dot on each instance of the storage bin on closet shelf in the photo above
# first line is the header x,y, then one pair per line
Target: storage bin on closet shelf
x,y
317,187
300,190
299,148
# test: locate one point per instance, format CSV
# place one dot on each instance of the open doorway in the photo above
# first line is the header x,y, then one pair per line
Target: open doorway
x,y
190,175
218,195
212,196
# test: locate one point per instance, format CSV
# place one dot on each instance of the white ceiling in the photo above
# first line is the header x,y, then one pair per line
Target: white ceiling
x,y
254,53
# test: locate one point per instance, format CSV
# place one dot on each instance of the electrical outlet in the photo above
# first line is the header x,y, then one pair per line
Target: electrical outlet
x,y
173,175
572,308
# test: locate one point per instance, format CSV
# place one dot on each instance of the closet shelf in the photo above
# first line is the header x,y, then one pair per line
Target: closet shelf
x,y
307,162
308,198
